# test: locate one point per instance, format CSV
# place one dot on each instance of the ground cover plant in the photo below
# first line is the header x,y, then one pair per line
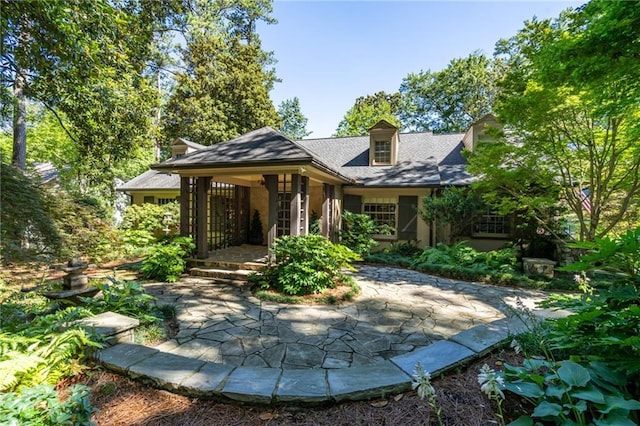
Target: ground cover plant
x,y
584,368
40,347
459,261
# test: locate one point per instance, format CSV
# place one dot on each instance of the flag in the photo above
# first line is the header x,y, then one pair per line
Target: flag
x,y
583,196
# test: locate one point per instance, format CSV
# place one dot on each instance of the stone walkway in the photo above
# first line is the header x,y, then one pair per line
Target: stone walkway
x,y
233,345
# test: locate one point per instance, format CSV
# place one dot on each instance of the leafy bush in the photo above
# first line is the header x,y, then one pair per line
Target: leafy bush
x,y
457,207
41,406
306,264
124,297
462,255
165,260
620,256
357,231
26,217
604,327
157,220
26,361
566,392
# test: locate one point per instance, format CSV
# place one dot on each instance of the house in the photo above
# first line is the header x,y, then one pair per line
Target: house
x,y
157,187
384,174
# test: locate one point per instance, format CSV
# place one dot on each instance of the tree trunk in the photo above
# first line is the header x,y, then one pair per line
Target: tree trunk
x,y
19,158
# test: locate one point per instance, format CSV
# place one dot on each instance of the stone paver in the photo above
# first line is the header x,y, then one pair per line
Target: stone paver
x,y
232,345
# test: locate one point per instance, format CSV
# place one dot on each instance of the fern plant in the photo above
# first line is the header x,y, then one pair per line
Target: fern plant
x,y
29,361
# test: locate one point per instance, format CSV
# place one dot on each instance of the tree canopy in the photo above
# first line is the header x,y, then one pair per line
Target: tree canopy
x,y
367,111
79,57
294,123
565,125
223,89
449,100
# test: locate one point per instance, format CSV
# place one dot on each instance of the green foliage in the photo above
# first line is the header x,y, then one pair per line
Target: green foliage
x,y
314,223
155,220
85,59
461,254
604,328
452,99
41,405
357,230
165,260
84,227
590,135
31,358
124,297
619,255
566,392
223,93
27,227
458,207
306,264
294,124
367,111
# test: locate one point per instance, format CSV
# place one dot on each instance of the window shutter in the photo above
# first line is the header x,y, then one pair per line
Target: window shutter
x,y
407,217
353,203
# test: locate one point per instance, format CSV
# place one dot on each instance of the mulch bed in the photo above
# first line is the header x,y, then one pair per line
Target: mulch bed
x,y
125,402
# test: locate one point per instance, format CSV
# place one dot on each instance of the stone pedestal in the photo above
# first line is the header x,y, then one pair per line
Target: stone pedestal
x,y
75,278
538,266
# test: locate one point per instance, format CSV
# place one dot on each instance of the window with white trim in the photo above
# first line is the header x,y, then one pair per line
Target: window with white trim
x,y
491,225
382,152
383,211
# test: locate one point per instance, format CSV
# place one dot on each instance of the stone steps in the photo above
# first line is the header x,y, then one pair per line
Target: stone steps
x,y
198,378
226,275
222,264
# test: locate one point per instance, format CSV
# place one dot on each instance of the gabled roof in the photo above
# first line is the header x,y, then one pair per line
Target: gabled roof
x,y
264,146
424,159
193,145
151,180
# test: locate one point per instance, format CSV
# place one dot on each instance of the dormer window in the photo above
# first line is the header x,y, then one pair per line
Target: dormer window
x,y
383,146
382,152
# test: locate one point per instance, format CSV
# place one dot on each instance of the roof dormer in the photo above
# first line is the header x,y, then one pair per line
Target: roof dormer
x,y
181,147
383,144
477,132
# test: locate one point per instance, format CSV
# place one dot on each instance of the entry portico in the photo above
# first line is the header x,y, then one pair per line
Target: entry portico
x,y
262,170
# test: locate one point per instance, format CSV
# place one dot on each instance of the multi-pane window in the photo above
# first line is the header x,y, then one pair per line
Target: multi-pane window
x,y
382,211
163,201
150,199
492,224
382,152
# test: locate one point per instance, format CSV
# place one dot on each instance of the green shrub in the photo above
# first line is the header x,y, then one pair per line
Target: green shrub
x,y
461,255
165,260
158,220
41,406
28,230
37,358
567,393
604,327
136,241
357,231
124,297
306,264
620,256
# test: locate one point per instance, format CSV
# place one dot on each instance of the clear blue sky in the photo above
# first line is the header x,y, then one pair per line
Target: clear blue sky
x,y
329,52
